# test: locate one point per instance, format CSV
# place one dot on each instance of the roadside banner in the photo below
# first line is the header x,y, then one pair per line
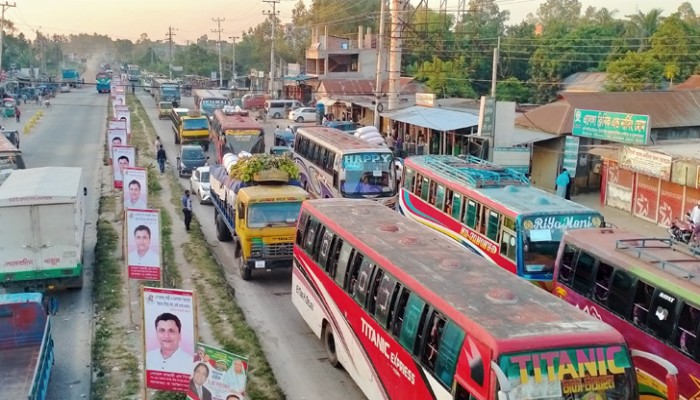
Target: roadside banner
x,y
124,156
135,188
169,335
117,108
143,244
120,99
126,116
217,374
117,124
115,137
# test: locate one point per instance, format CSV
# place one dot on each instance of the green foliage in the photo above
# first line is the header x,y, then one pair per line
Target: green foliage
x,y
247,167
343,17
511,89
634,72
672,45
446,78
428,34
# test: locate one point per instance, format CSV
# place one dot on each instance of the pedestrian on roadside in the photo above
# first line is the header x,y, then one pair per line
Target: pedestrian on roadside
x,y
158,143
187,209
562,182
17,113
161,157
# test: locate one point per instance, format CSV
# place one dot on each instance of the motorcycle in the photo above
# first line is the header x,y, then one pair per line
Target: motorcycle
x,y
682,231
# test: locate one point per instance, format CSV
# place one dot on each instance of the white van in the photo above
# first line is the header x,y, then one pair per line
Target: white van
x,y
281,108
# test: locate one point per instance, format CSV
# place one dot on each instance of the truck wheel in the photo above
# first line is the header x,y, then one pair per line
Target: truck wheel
x,y
329,344
78,282
245,271
222,232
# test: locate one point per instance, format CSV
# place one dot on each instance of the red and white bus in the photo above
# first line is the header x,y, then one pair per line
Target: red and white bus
x,y
649,290
412,315
233,131
493,211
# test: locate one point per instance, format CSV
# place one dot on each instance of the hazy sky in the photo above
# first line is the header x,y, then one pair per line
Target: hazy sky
x,y
128,19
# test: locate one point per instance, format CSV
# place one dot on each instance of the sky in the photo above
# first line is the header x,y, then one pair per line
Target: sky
x,y
128,19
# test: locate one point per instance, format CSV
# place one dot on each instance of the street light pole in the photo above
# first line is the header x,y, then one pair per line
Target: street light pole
x,y
233,59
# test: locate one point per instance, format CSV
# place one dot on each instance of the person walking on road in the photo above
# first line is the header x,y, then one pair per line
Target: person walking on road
x,y
187,209
160,156
158,143
562,182
17,113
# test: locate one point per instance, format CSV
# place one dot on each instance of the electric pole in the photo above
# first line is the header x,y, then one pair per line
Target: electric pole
x,y
170,35
380,66
398,23
273,23
2,28
219,30
494,70
233,59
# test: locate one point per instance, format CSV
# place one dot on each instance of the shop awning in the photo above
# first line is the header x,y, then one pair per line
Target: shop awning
x,y
522,136
438,119
608,153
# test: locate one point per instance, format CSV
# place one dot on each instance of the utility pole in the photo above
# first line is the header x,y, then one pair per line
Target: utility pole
x,y
2,28
273,23
398,15
170,35
233,59
380,66
219,30
494,68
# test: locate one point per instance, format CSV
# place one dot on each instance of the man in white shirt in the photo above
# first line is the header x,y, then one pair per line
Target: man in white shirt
x,y
143,255
695,214
134,200
169,357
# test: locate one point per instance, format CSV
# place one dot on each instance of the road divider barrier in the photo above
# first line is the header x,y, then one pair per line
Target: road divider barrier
x,y
33,121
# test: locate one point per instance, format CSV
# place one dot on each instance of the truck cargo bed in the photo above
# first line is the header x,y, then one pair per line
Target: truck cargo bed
x,y
17,370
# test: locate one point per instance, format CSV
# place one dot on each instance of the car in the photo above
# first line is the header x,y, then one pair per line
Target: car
x,y
199,185
65,88
190,158
303,114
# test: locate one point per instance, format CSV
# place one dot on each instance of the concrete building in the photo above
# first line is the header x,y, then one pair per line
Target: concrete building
x,y
343,57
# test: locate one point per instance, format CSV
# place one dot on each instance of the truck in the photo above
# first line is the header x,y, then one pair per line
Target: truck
x,y
42,223
26,346
257,200
70,76
191,128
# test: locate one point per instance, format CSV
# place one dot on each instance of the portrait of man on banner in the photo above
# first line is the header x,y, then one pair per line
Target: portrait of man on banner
x,y
135,188
143,244
217,374
122,157
115,137
169,338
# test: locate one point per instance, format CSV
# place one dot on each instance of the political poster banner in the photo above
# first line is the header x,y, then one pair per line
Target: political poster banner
x,y
135,188
169,337
115,137
143,244
217,375
126,116
122,156
117,124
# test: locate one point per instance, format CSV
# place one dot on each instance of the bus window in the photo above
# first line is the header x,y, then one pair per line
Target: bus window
x,y
662,315
642,302
431,347
386,294
440,197
583,273
353,273
411,322
409,179
301,228
566,269
431,195
450,346
602,283
463,394
373,291
687,334
621,293
363,276
425,189
325,248
343,260
397,312
310,236
316,246
417,188
508,245
471,213
448,202
334,255
456,206
494,223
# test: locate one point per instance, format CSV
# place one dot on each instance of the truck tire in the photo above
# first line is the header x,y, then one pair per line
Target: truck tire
x,y
246,272
77,283
329,345
205,146
222,232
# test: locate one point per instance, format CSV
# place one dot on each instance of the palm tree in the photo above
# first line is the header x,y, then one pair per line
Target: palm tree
x,y
642,26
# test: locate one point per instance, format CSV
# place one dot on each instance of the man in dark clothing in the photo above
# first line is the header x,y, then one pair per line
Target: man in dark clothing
x,y
187,209
160,157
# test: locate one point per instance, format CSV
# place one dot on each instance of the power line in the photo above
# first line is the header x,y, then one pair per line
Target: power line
x,y
219,30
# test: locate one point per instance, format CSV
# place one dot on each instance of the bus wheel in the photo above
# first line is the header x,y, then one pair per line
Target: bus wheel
x,y
222,232
329,344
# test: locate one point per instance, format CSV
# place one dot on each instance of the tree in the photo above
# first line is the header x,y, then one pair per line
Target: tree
x,y
426,35
559,14
342,17
687,14
446,78
634,72
642,26
671,45
512,89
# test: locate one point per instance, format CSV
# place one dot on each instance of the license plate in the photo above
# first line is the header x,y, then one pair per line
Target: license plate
x,y
260,264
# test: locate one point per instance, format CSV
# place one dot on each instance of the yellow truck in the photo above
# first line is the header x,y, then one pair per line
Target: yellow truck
x,y
191,128
258,211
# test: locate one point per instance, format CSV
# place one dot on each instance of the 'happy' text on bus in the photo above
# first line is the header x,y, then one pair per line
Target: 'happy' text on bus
x,y
413,315
493,211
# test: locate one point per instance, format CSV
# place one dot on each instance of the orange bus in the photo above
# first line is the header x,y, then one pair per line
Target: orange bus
x,y
232,130
411,314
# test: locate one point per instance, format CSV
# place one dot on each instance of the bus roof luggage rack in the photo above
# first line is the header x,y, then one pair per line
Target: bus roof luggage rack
x,y
476,172
680,267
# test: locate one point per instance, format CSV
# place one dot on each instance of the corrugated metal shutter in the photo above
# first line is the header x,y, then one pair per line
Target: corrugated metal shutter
x,y
670,202
646,197
692,197
618,193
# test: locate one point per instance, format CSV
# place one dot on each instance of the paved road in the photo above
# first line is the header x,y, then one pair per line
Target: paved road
x,y
295,354
70,135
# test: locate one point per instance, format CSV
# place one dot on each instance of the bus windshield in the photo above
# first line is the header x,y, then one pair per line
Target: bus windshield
x,y
542,237
195,124
601,373
247,141
261,215
213,103
368,174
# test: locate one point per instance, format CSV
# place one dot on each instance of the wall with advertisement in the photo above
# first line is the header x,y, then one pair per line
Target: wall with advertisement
x,y
620,184
646,202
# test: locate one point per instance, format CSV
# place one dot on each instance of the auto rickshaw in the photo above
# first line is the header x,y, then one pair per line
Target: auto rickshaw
x,y
8,107
187,90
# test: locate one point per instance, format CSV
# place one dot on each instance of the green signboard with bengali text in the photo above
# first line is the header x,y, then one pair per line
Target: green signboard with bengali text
x,y
613,126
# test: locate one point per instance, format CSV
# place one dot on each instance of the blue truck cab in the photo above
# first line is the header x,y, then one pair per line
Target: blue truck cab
x,y
26,346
